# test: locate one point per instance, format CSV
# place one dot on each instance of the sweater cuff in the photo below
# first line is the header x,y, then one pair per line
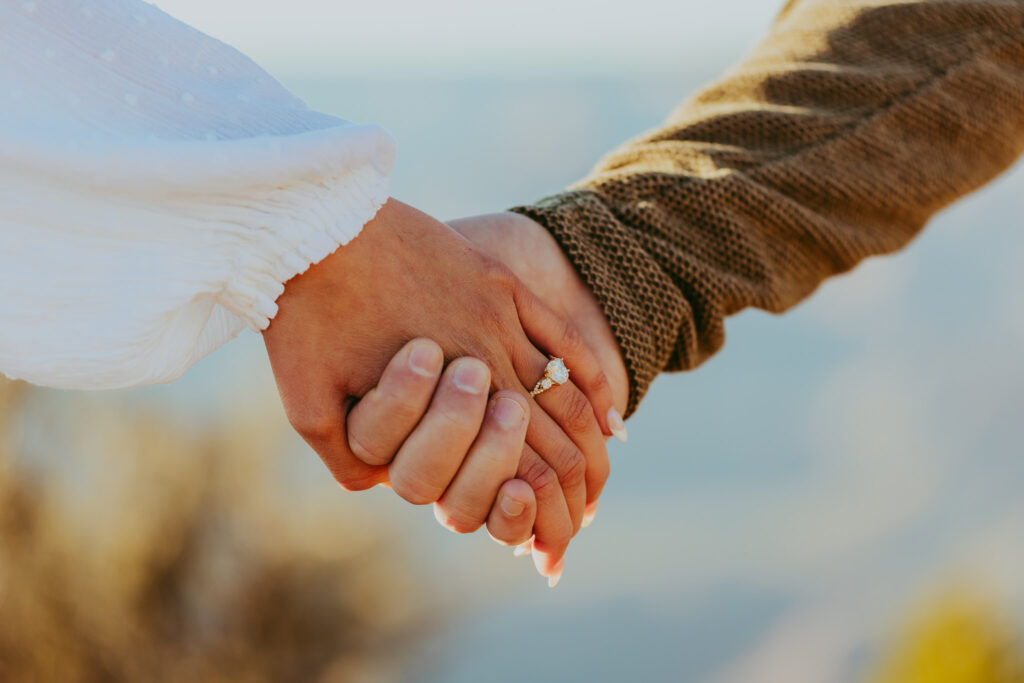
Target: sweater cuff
x,y
306,223
625,279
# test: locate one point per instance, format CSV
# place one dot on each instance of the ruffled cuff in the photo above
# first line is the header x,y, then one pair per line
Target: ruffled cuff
x,y
127,262
308,222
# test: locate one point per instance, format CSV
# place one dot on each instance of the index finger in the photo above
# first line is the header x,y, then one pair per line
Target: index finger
x,y
329,438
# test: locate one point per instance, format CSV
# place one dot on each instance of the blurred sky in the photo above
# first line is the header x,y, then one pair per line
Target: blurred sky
x,y
539,37
775,510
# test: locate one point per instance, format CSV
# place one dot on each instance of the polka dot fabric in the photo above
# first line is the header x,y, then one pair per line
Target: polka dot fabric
x,y
157,189
837,139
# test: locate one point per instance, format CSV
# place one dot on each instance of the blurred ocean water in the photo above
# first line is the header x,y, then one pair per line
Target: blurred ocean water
x,y
774,510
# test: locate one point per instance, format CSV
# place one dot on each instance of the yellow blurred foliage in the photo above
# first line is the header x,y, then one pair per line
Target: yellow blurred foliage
x,y
956,637
134,548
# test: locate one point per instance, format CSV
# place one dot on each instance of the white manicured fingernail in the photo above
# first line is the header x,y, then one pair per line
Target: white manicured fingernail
x,y
556,577
471,378
588,515
617,426
523,548
425,360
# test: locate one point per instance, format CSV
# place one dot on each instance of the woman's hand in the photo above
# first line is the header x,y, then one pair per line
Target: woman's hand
x,y
405,276
534,256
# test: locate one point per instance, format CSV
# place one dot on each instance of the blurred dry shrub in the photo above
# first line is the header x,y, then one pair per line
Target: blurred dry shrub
x,y
957,636
135,549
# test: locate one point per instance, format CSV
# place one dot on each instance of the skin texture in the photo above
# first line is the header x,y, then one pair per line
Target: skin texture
x,y
406,276
534,256
409,412
530,252
386,417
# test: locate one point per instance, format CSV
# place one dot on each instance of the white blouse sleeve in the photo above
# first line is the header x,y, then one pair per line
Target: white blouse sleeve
x,y
156,189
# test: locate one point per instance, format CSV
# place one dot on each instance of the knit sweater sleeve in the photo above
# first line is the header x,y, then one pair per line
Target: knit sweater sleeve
x,y
837,139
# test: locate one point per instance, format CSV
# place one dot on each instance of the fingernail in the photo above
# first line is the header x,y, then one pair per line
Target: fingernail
x,y
523,548
557,576
512,507
471,378
509,413
589,513
440,516
617,426
425,360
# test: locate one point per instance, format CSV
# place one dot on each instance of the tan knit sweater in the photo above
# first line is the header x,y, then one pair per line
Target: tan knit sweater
x,y
837,139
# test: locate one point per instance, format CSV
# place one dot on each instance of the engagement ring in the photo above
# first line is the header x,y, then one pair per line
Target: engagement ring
x,y
554,374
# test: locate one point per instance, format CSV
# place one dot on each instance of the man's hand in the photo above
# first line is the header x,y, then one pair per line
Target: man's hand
x,y
406,276
445,426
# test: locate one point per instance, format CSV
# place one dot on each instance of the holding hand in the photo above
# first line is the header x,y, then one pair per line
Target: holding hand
x,y
534,256
405,276
442,429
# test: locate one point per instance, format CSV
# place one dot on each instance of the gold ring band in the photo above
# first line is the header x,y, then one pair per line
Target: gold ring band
x,y
555,373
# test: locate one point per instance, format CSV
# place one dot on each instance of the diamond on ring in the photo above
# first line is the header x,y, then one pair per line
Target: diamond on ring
x,y
555,373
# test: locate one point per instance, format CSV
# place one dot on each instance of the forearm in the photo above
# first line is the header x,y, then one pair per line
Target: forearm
x,y
843,133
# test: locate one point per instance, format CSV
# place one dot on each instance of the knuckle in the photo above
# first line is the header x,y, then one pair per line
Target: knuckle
x,y
413,488
497,323
350,483
572,469
461,520
506,536
313,423
578,414
464,526
498,273
402,404
365,453
500,460
599,384
350,473
456,423
540,477
352,478
555,538
571,339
